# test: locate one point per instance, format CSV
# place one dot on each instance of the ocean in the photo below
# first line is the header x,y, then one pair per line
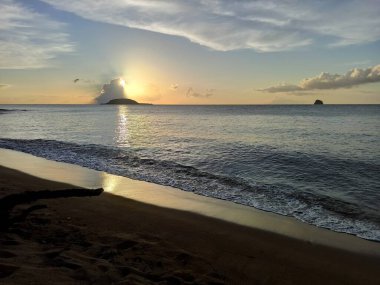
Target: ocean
x,y
318,164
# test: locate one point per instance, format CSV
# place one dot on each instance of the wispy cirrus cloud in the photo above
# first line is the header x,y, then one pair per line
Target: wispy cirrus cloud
x,y
29,39
354,77
262,25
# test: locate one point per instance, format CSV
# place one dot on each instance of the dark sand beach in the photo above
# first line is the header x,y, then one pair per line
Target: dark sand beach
x,y
113,240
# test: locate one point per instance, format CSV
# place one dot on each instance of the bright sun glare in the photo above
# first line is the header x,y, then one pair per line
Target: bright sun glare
x,y
135,88
122,82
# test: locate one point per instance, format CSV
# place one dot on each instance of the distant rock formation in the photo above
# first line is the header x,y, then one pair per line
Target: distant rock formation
x,y
318,102
125,101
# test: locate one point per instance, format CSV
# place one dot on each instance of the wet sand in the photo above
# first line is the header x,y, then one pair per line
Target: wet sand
x,y
109,239
169,197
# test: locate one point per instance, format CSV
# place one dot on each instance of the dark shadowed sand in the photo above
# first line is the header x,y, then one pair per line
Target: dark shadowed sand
x,y
113,240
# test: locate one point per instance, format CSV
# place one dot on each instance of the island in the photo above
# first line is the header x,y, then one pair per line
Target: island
x,y
125,101
318,102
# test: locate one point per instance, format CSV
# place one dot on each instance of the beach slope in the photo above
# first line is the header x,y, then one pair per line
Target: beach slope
x,y
108,239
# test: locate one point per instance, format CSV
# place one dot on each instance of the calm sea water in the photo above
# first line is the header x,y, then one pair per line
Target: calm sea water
x,y
320,164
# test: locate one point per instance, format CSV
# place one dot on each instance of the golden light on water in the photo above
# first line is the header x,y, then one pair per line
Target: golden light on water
x,y
121,132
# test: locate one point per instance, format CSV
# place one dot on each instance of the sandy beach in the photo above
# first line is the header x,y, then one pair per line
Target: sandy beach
x,y
189,142
113,240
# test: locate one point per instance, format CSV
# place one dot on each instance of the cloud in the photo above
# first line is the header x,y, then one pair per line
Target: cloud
x,y
174,87
282,88
354,77
113,90
76,80
191,93
29,39
262,25
3,86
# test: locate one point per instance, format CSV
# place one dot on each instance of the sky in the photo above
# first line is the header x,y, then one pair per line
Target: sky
x,y
190,51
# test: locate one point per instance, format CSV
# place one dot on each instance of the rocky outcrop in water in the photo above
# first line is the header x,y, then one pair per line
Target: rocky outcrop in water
x,y
318,102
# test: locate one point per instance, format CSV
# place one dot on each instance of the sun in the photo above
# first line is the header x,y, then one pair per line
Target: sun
x,y
122,82
135,88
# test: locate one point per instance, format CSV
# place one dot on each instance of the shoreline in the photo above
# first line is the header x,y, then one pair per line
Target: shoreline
x,y
173,198
103,239
108,238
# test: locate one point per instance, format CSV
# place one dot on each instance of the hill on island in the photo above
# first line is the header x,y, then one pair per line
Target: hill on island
x,y
125,101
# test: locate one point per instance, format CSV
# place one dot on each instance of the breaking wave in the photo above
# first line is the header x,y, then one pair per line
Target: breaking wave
x,y
317,208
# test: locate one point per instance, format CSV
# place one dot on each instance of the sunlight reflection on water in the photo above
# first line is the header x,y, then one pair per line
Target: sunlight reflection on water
x,y
122,134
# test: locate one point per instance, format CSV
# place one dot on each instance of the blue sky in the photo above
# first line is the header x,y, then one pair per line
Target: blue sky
x,y
191,52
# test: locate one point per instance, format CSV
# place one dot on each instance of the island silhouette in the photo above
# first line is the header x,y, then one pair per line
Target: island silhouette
x,y
125,101
113,93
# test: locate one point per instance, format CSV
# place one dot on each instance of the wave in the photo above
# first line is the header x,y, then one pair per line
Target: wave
x,y
315,208
7,111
